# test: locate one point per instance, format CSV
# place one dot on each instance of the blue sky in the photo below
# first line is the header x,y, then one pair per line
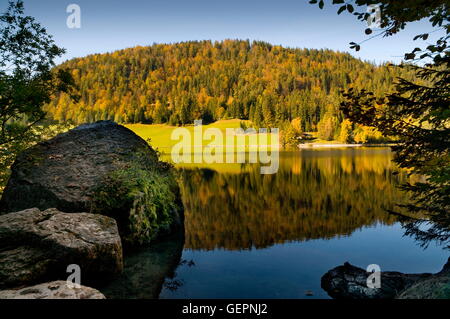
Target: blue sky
x,y
109,25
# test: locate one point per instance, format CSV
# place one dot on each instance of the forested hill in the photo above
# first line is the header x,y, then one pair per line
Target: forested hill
x,y
178,83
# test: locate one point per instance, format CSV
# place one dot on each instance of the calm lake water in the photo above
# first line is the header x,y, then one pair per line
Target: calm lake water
x,y
273,236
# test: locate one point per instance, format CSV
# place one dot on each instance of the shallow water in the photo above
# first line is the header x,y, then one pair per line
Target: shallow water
x,y
273,236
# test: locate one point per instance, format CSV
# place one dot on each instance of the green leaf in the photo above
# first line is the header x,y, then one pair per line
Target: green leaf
x,y
321,4
350,8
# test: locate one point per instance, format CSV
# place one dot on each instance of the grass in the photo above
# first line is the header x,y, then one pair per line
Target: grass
x,y
316,140
159,136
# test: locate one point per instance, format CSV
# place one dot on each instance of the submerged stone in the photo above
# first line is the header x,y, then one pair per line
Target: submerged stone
x,y
147,270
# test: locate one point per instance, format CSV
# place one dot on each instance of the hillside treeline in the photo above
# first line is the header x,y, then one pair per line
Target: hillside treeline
x,y
179,83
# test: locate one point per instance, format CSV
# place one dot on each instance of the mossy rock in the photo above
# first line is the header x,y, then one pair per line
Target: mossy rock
x,y
102,168
150,197
433,288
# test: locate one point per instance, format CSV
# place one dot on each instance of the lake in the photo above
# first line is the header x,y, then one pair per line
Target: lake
x,y
273,236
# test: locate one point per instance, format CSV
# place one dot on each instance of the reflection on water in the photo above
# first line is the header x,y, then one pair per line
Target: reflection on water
x,y
269,236
146,270
320,194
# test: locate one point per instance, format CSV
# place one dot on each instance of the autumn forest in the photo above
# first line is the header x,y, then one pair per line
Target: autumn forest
x,y
178,83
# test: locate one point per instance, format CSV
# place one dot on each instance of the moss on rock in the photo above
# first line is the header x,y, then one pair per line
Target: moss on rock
x,y
142,197
104,168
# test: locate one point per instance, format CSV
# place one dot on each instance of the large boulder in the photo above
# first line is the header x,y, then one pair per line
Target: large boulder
x,y
52,290
38,246
102,168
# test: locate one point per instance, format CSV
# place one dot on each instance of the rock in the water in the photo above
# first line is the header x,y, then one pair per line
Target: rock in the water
x,y
146,270
74,172
38,246
433,287
350,282
52,290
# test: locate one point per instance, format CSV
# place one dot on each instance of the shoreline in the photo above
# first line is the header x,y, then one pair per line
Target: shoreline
x,y
336,145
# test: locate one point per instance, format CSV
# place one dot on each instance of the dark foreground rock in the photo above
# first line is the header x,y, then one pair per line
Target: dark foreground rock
x,y
37,246
350,282
52,290
102,168
434,287
146,270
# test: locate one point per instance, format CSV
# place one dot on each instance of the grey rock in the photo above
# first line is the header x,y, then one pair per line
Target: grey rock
x,y
66,172
52,290
61,172
37,246
433,287
350,282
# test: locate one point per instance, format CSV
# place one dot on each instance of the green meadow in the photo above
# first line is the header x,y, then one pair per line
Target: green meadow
x,y
159,137
160,134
